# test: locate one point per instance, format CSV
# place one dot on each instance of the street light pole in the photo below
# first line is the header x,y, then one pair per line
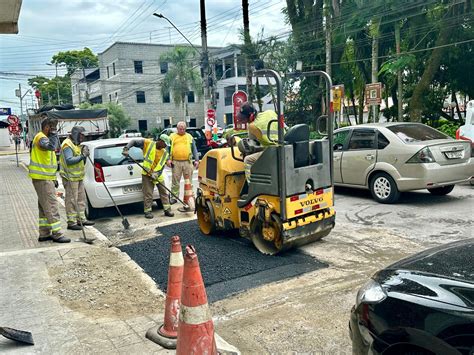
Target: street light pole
x,y
177,29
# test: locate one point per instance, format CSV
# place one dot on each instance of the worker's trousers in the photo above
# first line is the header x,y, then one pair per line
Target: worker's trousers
x,y
147,187
181,168
249,160
49,221
74,193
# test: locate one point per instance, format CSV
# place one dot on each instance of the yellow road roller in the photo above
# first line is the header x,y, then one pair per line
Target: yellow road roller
x,y
287,200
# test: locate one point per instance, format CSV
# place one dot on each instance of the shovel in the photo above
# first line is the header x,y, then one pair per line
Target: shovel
x,y
125,222
171,193
17,335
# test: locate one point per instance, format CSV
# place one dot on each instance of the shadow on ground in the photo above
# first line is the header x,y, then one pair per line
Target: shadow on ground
x,y
229,264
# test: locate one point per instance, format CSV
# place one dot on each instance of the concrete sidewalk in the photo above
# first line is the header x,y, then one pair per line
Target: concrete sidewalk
x,y
75,298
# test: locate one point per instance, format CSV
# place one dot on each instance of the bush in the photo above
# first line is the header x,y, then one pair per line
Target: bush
x,y
447,127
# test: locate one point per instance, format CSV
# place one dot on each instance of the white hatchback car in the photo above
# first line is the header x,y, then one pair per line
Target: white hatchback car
x,y
122,176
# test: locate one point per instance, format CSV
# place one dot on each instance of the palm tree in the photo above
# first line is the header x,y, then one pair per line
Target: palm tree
x,y
181,76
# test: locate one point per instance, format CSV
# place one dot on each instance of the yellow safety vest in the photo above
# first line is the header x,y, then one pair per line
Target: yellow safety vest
x,y
73,172
151,155
189,141
261,122
43,163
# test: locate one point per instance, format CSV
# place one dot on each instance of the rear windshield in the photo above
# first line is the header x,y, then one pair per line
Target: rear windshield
x,y
112,155
416,133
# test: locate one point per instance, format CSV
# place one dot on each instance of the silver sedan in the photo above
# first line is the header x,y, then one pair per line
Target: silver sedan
x,y
388,158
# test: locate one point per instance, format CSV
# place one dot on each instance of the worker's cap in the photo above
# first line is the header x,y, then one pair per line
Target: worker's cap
x,y
245,111
165,139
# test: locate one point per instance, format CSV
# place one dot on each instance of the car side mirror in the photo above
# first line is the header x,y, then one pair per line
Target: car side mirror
x,y
338,146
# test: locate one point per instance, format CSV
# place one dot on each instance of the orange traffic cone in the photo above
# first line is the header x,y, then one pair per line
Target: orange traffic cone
x,y
188,193
166,334
195,330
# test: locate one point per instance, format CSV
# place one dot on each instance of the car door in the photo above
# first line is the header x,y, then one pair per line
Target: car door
x,y
360,156
340,143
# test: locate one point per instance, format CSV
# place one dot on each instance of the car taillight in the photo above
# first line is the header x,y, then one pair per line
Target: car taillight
x,y
98,173
422,156
458,133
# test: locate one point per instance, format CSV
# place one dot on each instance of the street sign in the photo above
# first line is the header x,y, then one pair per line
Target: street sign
x,y
210,123
14,129
5,111
238,98
13,120
337,97
373,94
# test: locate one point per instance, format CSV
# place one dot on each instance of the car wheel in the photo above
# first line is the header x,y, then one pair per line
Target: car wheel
x,y
441,191
91,212
384,189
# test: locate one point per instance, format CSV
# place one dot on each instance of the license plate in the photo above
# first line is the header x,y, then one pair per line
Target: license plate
x,y
131,189
455,155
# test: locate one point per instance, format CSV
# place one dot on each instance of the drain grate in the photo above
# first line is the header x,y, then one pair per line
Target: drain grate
x,y
229,264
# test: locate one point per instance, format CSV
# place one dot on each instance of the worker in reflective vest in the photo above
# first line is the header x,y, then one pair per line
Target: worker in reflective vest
x,y
42,170
257,129
155,155
71,162
183,157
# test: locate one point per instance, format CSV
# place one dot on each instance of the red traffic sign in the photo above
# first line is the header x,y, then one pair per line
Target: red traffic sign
x,y
37,94
211,118
13,120
238,99
14,129
211,113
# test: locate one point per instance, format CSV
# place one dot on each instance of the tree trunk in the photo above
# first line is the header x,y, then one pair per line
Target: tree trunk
x,y
361,106
247,43
399,75
354,107
432,66
327,17
374,31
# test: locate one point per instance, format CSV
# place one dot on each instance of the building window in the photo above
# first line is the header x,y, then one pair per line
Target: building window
x,y
191,96
166,98
110,97
140,97
138,64
116,97
113,68
163,67
142,125
229,118
108,72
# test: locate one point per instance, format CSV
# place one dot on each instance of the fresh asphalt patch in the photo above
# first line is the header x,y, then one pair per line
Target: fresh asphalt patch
x,y
229,264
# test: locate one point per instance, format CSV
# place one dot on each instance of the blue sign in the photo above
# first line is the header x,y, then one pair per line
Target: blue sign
x,y
5,111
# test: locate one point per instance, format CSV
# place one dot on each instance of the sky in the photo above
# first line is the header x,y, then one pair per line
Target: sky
x,y
47,27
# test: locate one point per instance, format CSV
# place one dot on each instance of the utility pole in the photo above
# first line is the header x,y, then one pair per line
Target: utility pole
x,y
205,57
247,42
399,74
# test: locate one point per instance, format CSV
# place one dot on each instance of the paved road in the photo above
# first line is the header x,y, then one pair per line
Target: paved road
x,y
420,216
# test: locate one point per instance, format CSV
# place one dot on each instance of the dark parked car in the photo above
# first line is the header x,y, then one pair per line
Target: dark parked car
x,y
198,135
420,305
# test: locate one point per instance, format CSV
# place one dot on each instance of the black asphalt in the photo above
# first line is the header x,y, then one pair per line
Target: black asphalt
x,y
229,264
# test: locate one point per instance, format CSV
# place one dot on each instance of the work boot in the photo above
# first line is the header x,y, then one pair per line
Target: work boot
x,y
74,227
184,209
87,223
168,213
148,215
44,238
59,238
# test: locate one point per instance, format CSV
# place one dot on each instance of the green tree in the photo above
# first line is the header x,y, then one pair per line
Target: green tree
x,y
181,76
76,59
118,119
49,89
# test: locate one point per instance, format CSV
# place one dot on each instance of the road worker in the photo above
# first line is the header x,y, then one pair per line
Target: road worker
x,y
155,158
42,171
71,161
257,124
183,157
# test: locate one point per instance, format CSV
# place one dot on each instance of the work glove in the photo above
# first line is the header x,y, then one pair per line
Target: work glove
x,y
125,151
56,184
85,152
196,164
168,163
154,176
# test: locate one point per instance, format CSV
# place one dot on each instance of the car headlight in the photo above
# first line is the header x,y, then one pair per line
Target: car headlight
x,y
370,293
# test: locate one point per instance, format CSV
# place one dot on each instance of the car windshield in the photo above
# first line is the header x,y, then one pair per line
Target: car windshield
x,y
112,155
416,133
